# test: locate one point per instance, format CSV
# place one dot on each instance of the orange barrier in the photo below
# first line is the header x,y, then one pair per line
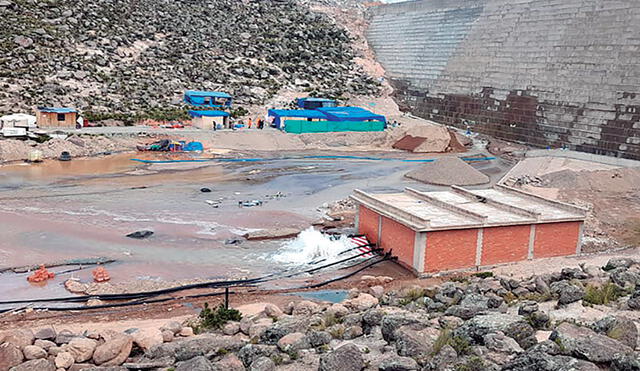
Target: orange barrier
x,y
41,275
100,275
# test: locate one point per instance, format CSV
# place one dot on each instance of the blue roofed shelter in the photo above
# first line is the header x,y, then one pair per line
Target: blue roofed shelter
x,y
214,99
351,114
56,117
281,116
208,120
314,103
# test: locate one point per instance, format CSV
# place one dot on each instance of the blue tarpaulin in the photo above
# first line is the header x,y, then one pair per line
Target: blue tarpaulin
x,y
350,114
277,114
56,110
207,98
313,103
208,114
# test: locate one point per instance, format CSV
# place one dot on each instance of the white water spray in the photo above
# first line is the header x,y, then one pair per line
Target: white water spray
x,y
311,245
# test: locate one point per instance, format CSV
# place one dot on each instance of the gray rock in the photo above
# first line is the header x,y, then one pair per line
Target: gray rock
x,y
318,338
618,328
64,336
251,352
567,292
35,365
345,358
624,277
573,273
398,364
541,286
634,301
352,332
46,333
539,320
626,362
262,364
392,322
614,263
283,327
198,345
527,307
199,363
538,361
497,341
417,344
513,326
229,362
23,41
34,352
445,358
584,343
10,355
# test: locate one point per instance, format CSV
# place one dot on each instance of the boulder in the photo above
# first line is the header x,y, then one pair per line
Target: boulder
x,y
173,326
283,327
146,364
538,361
499,342
35,365
398,364
444,360
272,311
634,301
262,364
624,277
337,310
251,352
567,292
318,338
584,343
44,344
345,358
198,345
352,332
539,320
186,331
18,337
376,291
45,333
64,336
511,325
541,286
417,344
626,362
34,352
167,336
305,308
391,322
80,348
114,351
229,362
231,328
146,338
199,363
10,355
527,307
293,341
619,328
614,263
64,360
361,302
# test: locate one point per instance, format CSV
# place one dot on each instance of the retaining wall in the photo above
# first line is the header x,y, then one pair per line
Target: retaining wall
x,y
543,72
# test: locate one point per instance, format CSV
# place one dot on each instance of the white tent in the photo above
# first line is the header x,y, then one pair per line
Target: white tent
x,y
18,120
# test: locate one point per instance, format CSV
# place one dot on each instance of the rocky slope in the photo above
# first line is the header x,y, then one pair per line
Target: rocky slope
x,y
577,319
128,56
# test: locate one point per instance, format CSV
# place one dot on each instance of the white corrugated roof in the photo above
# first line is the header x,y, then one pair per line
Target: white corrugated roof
x,y
460,208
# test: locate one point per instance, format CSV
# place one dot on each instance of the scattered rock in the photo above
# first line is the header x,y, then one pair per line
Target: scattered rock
x,y
305,308
167,336
114,351
293,341
19,337
35,365
272,311
361,302
46,333
584,343
172,326
80,348
262,364
199,363
33,352
513,326
140,234
417,344
64,360
398,364
231,328
146,338
345,358
186,331
10,355
498,342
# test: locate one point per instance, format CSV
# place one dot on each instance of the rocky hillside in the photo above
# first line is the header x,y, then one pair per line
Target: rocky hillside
x,y
127,56
576,319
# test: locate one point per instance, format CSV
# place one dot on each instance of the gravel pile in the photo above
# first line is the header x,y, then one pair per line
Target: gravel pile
x,y
448,171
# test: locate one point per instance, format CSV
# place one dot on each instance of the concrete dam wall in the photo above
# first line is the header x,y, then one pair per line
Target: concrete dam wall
x,y
543,72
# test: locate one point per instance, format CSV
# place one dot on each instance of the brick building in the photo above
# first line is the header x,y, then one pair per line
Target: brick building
x,y
460,229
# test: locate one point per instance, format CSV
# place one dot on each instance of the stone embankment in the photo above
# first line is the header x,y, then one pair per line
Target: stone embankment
x,y
576,319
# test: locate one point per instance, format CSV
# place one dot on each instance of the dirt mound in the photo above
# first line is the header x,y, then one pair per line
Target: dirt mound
x,y
409,143
448,171
617,180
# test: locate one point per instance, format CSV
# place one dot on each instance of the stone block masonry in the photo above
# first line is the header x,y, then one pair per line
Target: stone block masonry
x,y
460,229
542,72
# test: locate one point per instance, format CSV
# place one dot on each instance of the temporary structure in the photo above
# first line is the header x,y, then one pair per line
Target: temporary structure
x,y
18,120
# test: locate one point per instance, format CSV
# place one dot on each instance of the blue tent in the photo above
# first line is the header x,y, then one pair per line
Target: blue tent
x,y
350,114
277,114
313,103
208,98
56,110
208,114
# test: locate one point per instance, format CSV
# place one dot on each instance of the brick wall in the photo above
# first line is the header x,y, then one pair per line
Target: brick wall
x,y
544,72
399,238
505,244
453,249
368,224
556,239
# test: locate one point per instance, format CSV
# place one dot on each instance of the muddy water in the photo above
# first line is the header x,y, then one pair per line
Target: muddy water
x,y
84,208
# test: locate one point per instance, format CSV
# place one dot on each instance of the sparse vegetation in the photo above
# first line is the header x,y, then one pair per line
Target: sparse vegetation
x,y
604,294
337,332
472,364
446,337
483,274
215,319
